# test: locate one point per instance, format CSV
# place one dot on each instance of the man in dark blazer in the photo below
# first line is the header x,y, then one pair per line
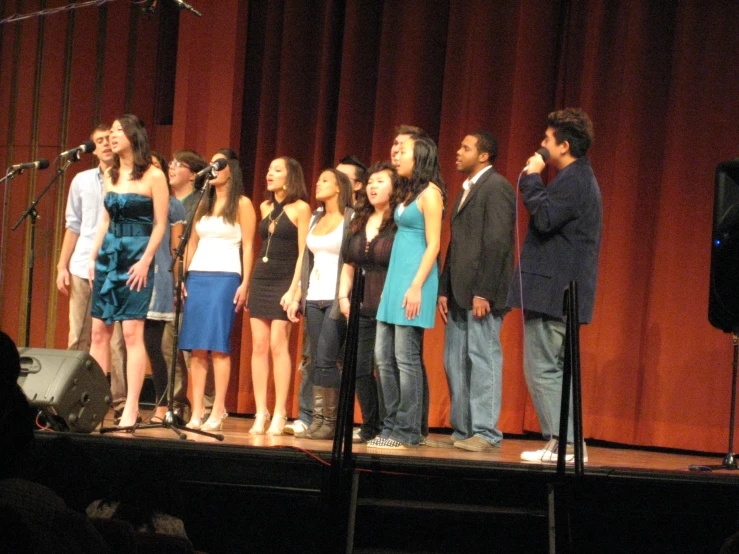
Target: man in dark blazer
x,y
473,289
562,244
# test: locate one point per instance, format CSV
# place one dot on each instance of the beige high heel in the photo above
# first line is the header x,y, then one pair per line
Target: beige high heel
x,y
214,423
278,425
260,421
195,422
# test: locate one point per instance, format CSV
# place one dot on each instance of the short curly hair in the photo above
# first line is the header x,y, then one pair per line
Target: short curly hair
x,y
574,126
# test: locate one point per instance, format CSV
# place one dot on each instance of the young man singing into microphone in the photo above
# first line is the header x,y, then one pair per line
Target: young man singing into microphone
x,y
562,244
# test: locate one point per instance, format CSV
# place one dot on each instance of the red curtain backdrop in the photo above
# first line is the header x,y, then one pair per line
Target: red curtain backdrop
x,y
321,79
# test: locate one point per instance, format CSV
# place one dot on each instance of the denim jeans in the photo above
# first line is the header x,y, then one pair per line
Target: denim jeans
x,y
473,360
305,393
368,391
326,337
543,368
401,372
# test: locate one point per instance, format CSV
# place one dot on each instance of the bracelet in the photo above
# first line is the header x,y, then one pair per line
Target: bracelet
x,y
343,298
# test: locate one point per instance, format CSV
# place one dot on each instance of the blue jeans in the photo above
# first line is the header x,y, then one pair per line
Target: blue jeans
x,y
326,337
401,372
543,367
305,393
473,360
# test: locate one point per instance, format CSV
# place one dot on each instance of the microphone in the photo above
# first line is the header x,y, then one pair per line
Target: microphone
x,y
43,163
185,6
84,148
543,152
210,171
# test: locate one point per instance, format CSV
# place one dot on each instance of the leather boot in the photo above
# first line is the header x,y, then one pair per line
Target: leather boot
x,y
317,422
330,409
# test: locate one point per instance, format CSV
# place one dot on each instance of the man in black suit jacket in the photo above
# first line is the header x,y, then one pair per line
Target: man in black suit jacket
x,y
562,245
473,289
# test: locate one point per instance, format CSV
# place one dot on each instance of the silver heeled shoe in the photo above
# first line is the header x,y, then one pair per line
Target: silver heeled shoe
x,y
214,423
195,422
260,421
278,426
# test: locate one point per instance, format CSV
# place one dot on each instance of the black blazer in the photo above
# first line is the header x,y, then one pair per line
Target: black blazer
x,y
562,243
479,259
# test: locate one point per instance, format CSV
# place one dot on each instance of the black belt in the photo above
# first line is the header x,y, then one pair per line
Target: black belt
x,y
130,229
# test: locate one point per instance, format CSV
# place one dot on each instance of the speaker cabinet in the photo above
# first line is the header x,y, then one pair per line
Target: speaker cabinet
x,y
723,298
67,386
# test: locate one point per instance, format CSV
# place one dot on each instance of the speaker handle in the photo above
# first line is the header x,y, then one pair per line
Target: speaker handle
x,y
29,364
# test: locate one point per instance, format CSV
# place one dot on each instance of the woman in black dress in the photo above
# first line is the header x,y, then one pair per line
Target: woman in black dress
x,y
283,228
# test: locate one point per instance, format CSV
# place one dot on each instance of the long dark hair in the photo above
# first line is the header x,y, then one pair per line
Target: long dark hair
x,y
363,209
345,190
163,165
294,182
135,132
236,188
426,170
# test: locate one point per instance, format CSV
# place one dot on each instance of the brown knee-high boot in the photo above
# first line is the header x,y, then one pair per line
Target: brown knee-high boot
x,y
330,410
317,422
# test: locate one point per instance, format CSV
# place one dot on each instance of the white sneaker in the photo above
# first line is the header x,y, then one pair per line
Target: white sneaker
x,y
548,454
295,427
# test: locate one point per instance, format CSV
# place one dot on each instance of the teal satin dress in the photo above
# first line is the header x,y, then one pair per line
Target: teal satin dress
x,y
131,223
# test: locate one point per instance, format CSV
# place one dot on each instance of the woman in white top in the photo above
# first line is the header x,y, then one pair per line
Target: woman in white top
x,y
216,284
317,296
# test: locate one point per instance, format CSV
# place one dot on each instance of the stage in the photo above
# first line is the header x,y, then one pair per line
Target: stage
x,y
260,493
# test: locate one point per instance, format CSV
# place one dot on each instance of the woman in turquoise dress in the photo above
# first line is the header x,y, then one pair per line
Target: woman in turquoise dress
x,y
121,269
408,304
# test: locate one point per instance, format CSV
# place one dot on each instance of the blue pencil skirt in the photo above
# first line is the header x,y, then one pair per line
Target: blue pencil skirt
x,y
209,312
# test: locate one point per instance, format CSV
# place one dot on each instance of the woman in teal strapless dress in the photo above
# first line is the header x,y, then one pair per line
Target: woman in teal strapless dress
x,y
121,271
408,304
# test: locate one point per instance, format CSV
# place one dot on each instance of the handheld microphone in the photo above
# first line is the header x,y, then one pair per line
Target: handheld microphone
x,y
84,148
43,163
210,171
543,152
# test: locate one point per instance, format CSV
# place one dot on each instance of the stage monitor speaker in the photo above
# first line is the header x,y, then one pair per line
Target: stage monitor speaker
x,y
723,298
67,386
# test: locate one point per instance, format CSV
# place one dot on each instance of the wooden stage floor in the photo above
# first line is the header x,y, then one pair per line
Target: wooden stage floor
x,y
601,458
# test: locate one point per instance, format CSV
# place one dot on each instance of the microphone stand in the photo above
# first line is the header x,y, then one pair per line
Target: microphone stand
x,y
10,174
34,215
170,421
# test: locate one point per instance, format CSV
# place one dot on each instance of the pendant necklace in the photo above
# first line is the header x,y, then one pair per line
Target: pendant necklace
x,y
271,229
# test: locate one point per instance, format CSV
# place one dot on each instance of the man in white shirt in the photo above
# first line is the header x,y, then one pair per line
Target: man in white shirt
x,y
83,215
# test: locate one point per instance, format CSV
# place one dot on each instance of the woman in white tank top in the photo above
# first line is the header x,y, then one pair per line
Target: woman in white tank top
x,y
216,284
317,295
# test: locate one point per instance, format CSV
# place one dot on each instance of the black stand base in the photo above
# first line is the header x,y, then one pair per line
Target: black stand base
x,y
729,463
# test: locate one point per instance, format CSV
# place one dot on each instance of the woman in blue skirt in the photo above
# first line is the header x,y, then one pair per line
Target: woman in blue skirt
x,y
216,284
408,304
